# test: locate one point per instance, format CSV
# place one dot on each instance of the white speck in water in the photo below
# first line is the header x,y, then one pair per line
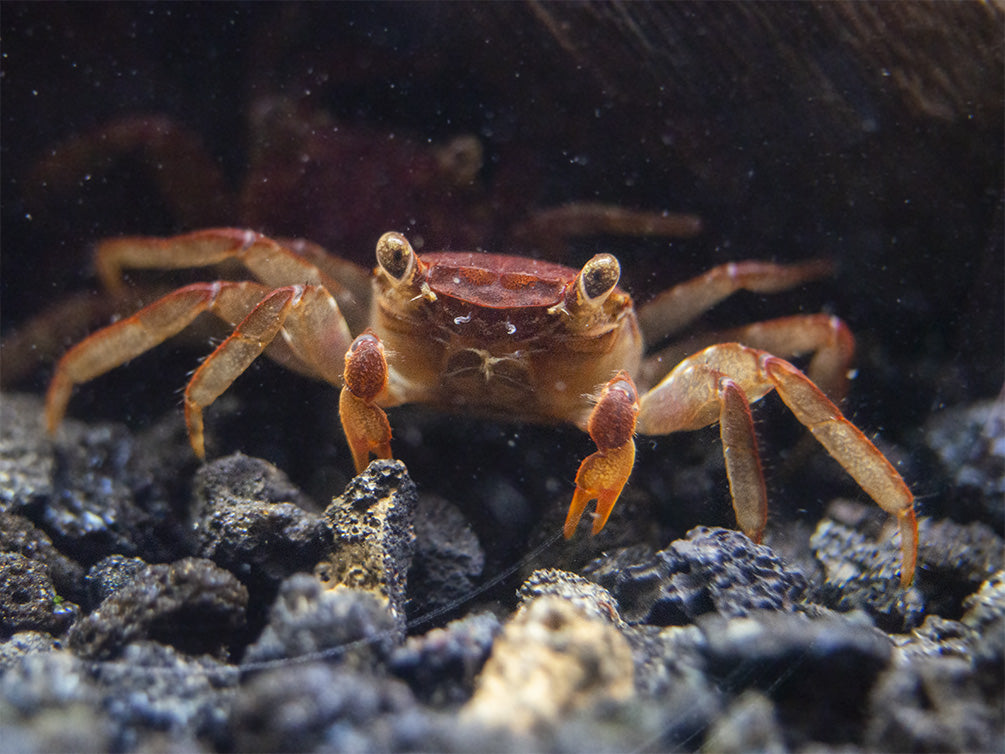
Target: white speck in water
x,y
510,327
457,280
559,386
462,320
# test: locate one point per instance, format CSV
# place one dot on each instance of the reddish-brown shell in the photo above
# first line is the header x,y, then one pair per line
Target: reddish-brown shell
x,y
497,281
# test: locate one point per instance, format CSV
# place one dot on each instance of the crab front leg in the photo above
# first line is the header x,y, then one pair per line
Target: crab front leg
x,y
603,475
128,338
315,334
312,327
272,263
366,427
719,383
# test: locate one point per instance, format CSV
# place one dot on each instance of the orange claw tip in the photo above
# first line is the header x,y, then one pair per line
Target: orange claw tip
x,y
605,504
579,500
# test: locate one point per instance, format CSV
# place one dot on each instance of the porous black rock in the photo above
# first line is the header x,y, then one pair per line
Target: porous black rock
x,y
24,643
861,573
372,525
28,599
954,560
441,665
933,704
448,557
315,706
18,534
191,604
749,724
787,655
51,703
861,563
670,671
353,626
152,696
586,595
94,490
969,442
985,617
155,692
109,575
712,570
27,462
250,519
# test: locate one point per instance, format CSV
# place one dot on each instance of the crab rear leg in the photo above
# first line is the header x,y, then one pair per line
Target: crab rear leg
x,y
675,308
719,383
824,338
603,475
853,450
314,332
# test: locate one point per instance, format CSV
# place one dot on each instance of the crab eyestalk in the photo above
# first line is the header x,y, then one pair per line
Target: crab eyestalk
x,y
398,261
587,294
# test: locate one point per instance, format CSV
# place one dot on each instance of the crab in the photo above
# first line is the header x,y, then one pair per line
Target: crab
x,y
505,336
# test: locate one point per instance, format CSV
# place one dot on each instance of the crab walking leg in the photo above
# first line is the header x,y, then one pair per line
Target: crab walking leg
x,y
603,474
552,228
853,450
269,261
365,423
743,462
132,336
698,393
823,336
674,309
293,310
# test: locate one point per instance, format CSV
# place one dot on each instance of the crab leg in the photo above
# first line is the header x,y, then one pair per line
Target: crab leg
x,y
313,328
269,261
718,384
853,450
674,309
603,475
550,229
824,336
132,336
743,462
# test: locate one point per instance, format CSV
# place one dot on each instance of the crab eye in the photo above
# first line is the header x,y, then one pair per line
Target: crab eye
x,y
598,278
395,255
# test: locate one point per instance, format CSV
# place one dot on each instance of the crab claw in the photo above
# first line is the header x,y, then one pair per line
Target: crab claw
x,y
365,423
603,475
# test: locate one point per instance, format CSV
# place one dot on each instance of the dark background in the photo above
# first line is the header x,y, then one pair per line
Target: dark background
x,y
869,134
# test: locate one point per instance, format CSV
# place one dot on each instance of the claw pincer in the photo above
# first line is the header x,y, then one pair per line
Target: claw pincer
x,y
603,475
